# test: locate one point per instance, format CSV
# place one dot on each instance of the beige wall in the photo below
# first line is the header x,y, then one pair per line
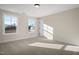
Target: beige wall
x,y
22,28
66,25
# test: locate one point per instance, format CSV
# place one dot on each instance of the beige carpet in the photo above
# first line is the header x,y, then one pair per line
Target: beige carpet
x,y
38,46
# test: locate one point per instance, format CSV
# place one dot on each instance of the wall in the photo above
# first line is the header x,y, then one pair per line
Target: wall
x,y
22,32
65,25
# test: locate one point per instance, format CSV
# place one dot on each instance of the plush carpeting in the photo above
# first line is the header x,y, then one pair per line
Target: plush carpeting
x,y
38,46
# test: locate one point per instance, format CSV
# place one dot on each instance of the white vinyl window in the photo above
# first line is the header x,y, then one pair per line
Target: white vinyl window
x,y
10,24
31,24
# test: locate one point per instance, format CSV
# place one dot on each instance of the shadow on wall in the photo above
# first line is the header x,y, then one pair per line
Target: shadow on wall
x,y
48,32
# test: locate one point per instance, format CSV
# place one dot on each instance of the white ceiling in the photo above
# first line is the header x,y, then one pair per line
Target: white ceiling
x,y
43,10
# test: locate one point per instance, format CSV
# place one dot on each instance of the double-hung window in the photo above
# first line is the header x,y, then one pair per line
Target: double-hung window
x,y
10,24
31,24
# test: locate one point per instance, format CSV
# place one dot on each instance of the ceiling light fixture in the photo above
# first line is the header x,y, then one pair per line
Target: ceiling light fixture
x,y
37,5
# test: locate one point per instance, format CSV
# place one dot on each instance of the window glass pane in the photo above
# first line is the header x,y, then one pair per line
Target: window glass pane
x,y
7,20
31,24
10,24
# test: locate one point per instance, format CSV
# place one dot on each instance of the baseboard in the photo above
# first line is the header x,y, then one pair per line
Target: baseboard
x,y
18,39
69,42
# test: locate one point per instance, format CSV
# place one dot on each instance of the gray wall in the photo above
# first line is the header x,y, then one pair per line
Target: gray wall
x,y
22,28
66,25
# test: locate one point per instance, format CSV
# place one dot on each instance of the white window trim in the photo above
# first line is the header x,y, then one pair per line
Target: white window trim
x,y
35,24
3,26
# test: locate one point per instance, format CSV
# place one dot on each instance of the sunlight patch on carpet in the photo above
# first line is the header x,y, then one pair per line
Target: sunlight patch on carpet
x,y
72,48
46,45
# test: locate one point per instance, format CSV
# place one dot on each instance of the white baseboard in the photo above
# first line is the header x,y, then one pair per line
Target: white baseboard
x,y
68,42
21,38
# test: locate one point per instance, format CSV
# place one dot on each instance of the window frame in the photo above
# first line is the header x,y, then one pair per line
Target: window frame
x,y
28,25
4,24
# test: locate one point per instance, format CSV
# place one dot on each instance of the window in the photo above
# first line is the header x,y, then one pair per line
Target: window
x,y
10,24
31,24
